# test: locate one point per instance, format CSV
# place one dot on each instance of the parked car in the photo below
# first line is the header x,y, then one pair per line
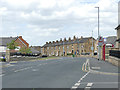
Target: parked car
x,y
85,53
2,58
95,52
44,55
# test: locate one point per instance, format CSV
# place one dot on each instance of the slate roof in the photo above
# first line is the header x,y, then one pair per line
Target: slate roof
x,y
83,40
118,40
118,27
5,40
34,51
111,40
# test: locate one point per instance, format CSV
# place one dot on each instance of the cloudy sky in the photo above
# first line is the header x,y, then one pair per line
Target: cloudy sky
x,y
39,21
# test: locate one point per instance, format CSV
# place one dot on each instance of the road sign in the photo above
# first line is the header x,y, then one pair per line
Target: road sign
x,y
100,41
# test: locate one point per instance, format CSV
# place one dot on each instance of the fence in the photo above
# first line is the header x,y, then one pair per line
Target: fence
x,y
114,53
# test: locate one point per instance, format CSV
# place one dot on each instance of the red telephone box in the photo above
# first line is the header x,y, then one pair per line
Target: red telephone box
x,y
103,56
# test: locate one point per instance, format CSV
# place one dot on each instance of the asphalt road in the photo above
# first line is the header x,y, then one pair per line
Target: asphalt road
x,y
65,72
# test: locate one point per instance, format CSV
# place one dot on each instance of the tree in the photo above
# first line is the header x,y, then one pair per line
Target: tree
x,y
12,45
25,50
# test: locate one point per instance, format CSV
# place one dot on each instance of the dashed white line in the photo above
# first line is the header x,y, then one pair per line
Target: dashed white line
x,y
78,83
89,84
2,75
74,87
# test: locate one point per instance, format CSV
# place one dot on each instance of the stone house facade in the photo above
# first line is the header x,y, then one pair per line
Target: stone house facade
x,y
118,36
64,47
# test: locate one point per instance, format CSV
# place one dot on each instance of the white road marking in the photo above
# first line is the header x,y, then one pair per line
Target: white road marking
x,y
2,75
74,87
22,69
95,67
35,70
87,87
77,84
89,84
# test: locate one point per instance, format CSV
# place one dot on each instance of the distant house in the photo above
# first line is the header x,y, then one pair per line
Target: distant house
x,y
76,46
36,50
118,36
111,41
6,40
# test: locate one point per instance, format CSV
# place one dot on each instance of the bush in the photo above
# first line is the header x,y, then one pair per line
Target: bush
x,y
25,50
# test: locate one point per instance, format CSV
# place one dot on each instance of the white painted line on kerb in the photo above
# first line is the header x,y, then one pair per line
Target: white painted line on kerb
x,y
78,83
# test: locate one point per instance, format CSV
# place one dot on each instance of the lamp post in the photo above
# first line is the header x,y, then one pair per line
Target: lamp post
x,y
98,35
92,43
63,48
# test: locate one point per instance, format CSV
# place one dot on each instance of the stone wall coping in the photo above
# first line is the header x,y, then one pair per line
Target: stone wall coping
x,y
115,58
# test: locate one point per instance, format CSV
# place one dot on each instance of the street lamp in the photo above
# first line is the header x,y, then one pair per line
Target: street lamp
x,y
92,43
98,34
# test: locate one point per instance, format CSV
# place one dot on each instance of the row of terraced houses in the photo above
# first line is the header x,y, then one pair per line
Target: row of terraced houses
x,y
75,46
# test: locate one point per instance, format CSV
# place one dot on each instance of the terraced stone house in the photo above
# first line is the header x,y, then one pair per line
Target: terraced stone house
x,y
64,47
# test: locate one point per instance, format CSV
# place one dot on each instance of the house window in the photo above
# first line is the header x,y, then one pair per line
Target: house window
x,y
47,48
51,47
67,47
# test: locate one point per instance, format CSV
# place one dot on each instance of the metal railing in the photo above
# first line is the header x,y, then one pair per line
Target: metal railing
x,y
114,53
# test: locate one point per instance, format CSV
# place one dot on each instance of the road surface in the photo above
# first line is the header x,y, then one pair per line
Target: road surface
x,y
65,72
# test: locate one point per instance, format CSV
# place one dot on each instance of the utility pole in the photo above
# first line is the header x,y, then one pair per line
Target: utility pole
x,y
92,43
98,35
63,48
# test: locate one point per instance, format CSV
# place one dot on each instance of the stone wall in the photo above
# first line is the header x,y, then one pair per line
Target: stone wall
x,y
115,61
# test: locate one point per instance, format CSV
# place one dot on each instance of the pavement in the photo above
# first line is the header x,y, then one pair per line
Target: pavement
x,y
65,72
103,66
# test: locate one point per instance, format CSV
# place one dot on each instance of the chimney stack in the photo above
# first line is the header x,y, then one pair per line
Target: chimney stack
x,y
56,41
69,39
74,38
64,39
60,39
53,42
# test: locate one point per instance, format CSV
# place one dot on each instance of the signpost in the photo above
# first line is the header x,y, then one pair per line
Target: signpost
x,y
100,43
7,55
